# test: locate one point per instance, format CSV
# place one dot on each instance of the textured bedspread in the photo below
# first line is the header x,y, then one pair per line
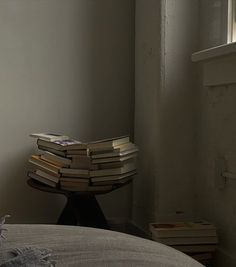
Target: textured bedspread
x,y
80,246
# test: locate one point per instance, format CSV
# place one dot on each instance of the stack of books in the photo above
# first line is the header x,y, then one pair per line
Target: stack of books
x,y
197,239
77,166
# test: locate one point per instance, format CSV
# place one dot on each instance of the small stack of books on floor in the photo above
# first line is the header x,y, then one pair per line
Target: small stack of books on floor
x,y
76,166
197,239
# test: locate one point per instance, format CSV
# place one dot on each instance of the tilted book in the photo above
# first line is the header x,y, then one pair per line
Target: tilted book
x,y
116,152
184,229
41,179
69,144
195,248
50,168
116,171
107,144
55,159
112,177
49,136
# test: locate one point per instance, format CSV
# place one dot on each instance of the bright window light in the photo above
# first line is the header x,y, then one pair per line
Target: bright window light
x,y
231,21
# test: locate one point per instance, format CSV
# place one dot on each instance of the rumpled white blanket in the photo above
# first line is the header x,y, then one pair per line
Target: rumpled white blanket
x,y
75,246
25,256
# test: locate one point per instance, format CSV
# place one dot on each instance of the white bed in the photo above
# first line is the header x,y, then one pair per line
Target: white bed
x,y
81,246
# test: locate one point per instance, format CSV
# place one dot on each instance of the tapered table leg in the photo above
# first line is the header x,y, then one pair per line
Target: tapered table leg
x,y
67,216
83,210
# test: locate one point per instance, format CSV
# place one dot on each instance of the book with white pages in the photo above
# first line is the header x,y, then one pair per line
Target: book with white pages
x,y
115,182
115,153
112,177
116,171
47,176
41,179
115,159
106,144
49,136
55,159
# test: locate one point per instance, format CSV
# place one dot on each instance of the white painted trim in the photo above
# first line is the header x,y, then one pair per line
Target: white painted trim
x,y
214,52
220,71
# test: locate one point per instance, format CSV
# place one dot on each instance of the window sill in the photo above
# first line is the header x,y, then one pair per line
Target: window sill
x,y
214,52
219,64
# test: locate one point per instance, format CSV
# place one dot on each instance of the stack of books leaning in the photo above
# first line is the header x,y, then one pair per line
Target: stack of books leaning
x,y
68,164
197,239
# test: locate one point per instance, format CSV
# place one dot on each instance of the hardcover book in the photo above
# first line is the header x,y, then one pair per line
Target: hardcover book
x,y
195,248
68,144
43,180
36,161
107,144
112,177
182,229
49,136
116,171
170,241
55,159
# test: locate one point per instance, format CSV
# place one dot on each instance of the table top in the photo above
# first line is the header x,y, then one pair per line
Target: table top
x,y
40,186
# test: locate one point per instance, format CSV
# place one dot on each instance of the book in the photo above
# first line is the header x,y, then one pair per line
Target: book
x,y
107,144
116,148
112,177
45,175
69,144
82,162
116,152
54,151
116,171
55,159
195,248
100,188
170,241
44,165
85,162
182,229
74,172
114,159
42,179
64,153
112,165
74,179
114,182
49,136
73,152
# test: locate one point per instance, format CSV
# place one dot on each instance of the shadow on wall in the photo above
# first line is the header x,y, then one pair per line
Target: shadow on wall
x,y
108,63
20,200
66,66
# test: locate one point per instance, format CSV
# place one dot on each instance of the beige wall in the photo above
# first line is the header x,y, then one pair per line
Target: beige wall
x,y
147,84
66,66
178,110
181,126
216,137
165,109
